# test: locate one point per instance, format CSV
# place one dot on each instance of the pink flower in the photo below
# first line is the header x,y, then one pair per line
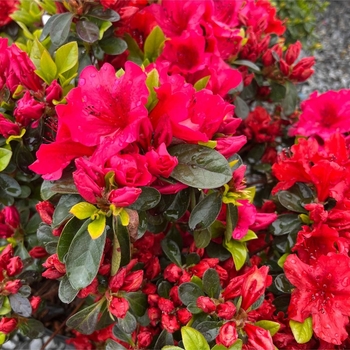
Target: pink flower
x,y
123,197
7,127
206,304
28,109
324,114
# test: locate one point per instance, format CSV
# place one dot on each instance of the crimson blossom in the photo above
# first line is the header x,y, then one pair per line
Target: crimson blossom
x,y
322,292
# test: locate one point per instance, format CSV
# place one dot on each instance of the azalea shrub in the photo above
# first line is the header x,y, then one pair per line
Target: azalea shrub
x,y
161,185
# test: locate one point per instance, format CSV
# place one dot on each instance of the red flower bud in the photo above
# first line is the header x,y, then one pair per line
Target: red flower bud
x,y
153,299
53,92
38,252
45,210
174,296
284,67
5,255
165,305
226,310
227,334
206,304
149,288
267,58
7,325
170,323
144,339
172,273
152,268
133,281
183,316
293,52
104,269
35,303
154,315
12,287
118,307
14,266
90,289
116,282
11,216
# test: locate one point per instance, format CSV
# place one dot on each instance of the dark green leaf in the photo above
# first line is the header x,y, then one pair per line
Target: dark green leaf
x,y
84,321
200,167
194,309
20,305
189,292
172,251
32,328
178,206
231,220
291,201
121,335
47,28
113,345
9,185
192,259
24,291
282,284
44,234
148,199
63,207
87,31
290,101
60,28
211,283
66,292
84,257
248,64
33,224
104,14
66,237
209,329
138,302
205,212
242,109
127,324
278,92
258,303
164,289
122,235
215,250
165,338
286,224
113,45
23,158
65,185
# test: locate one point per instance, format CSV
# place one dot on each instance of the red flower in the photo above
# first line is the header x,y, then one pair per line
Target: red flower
x,y
206,304
323,292
227,334
7,7
118,307
7,325
45,210
258,338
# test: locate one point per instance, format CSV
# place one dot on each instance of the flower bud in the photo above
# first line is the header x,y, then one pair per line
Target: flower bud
x,y
90,289
53,92
293,52
170,323
7,325
118,307
172,273
227,334
35,303
12,287
166,305
144,339
11,215
267,58
38,252
133,281
226,310
174,296
14,266
284,67
184,316
45,210
116,282
206,304
154,314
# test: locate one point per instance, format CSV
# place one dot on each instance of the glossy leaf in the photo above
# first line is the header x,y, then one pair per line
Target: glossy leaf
x,y
193,340
209,329
205,212
113,345
84,257
66,57
84,321
148,199
286,224
202,238
231,220
172,251
211,283
271,326
153,43
137,302
60,28
290,101
47,28
302,331
248,64
83,210
104,14
127,324
178,206
238,251
189,292
278,92
48,69
165,339
242,109
87,31
97,226
113,45
121,335
9,185
122,235
5,157
282,284
66,237
62,210
64,185
201,83
200,167
66,292
291,201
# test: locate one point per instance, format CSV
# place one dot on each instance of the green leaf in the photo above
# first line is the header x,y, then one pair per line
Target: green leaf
x,y
215,250
205,212
48,67
5,307
66,237
238,344
65,185
66,57
286,224
238,251
282,284
116,255
271,326
152,81
248,64
209,329
171,347
154,44
5,157
200,167
104,14
148,199
201,83
9,185
127,324
178,206
122,235
113,345
290,101
278,92
231,220
60,28
47,28
211,283
83,210
87,31
113,45
189,292
84,257
291,201
193,340
172,251
242,109
97,226
165,339
62,210
66,292
202,238
20,305
121,335
219,347
32,328
249,236
84,321
137,301
135,53
302,331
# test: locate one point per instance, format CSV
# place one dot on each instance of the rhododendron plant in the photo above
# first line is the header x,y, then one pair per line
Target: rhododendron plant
x,y
160,187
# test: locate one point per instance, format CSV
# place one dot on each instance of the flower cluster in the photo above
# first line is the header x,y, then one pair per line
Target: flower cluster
x,y
144,195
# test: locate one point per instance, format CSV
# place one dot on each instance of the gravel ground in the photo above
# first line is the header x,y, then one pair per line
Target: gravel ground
x,y
332,69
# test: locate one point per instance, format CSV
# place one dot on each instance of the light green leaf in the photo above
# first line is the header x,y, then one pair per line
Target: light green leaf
x,y
5,157
152,81
83,210
201,83
271,326
154,44
302,331
193,340
249,236
36,52
48,67
238,251
97,226
66,57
